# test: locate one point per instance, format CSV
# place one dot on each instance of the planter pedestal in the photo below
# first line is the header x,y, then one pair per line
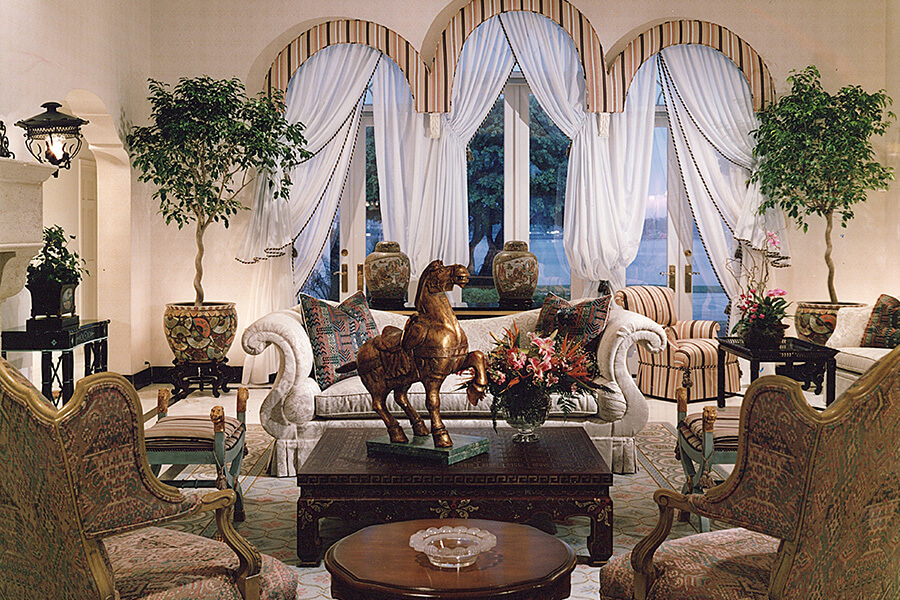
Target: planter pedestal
x,y
186,375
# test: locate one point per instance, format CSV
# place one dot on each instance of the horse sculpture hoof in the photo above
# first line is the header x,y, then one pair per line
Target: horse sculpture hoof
x,y
442,438
397,435
419,428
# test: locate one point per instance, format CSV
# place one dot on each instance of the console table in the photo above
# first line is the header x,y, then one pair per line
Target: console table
x,y
91,334
802,361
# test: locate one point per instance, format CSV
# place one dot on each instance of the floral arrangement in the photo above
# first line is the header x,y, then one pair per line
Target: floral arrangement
x,y
760,308
524,370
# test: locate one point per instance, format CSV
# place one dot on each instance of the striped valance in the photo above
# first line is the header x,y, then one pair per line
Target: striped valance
x,y
347,32
605,92
623,67
478,11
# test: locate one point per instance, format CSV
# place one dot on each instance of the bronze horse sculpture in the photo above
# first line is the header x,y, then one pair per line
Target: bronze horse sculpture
x,y
428,349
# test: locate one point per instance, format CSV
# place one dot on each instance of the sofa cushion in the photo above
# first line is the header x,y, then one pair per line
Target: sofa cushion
x,y
849,327
336,333
583,321
883,328
349,399
858,360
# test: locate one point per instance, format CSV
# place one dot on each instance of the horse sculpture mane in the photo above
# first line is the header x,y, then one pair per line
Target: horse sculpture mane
x,y
430,347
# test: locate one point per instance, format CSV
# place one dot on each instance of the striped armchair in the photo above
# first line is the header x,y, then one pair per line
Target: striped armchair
x,y
690,359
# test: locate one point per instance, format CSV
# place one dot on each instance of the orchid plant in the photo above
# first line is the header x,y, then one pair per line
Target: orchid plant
x,y
760,308
524,370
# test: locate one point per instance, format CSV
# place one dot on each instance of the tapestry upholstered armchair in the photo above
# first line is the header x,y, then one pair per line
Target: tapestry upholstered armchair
x,y
78,503
690,359
815,497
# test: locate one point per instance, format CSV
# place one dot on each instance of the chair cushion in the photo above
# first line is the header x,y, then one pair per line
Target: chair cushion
x,y
652,301
336,333
725,434
883,328
161,564
189,433
732,563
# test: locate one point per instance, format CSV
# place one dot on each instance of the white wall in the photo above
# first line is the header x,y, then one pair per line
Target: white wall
x,y
111,47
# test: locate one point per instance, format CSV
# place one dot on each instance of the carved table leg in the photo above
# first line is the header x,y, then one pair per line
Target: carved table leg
x,y
600,539
309,544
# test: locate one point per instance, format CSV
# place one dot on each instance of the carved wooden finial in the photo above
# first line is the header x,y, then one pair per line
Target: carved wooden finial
x,y
242,396
709,417
681,399
162,401
217,416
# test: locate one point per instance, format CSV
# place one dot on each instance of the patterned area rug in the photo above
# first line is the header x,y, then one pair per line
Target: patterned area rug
x,y
271,503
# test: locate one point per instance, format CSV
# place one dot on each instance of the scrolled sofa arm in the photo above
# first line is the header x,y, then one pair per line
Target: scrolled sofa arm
x,y
291,400
624,329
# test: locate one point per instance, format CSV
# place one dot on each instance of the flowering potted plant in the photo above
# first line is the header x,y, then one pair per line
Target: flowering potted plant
x,y
762,310
525,370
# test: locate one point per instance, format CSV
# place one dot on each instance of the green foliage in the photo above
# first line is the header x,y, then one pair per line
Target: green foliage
x,y
206,142
55,263
814,152
815,157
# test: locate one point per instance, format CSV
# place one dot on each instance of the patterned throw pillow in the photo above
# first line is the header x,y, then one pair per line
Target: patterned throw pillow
x,y
336,333
582,322
883,329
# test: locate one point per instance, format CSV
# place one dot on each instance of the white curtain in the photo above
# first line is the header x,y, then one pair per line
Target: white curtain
x,y
404,157
326,96
608,177
711,117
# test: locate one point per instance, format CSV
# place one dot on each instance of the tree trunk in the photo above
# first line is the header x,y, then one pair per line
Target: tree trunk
x,y
198,263
829,226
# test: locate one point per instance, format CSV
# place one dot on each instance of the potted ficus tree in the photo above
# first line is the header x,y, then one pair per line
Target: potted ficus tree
x,y
206,143
51,278
815,159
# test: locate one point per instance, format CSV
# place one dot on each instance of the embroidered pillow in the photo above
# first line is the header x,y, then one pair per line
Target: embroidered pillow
x,y
336,333
583,322
883,329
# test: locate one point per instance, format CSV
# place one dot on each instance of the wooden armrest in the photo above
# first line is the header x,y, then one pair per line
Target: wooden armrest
x,y
217,416
243,395
642,555
162,402
247,576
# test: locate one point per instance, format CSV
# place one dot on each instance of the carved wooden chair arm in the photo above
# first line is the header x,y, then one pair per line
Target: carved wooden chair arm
x,y
642,555
247,576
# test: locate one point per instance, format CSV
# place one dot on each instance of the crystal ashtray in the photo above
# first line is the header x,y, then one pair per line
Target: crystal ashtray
x,y
452,547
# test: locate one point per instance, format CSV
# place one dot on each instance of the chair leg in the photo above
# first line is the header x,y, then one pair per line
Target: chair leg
x,y
235,481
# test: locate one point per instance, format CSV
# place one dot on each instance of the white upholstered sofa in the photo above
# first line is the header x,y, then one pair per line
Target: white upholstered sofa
x,y
852,360
297,411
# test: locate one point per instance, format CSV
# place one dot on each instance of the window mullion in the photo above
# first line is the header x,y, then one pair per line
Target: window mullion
x,y
516,183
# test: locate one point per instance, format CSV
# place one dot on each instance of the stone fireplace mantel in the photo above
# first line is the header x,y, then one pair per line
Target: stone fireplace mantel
x,y
21,215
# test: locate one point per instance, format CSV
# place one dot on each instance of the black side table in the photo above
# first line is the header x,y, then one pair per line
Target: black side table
x,y
91,334
802,361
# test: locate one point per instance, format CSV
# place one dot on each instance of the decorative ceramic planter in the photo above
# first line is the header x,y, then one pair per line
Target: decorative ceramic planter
x,y
815,321
515,272
387,274
202,333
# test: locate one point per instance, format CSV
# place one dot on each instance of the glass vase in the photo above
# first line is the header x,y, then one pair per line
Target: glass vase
x,y
526,413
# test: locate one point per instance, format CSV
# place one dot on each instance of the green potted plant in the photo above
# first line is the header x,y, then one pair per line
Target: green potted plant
x,y
815,158
52,277
207,142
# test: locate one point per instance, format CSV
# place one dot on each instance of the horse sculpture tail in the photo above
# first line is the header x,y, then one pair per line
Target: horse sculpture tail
x,y
347,367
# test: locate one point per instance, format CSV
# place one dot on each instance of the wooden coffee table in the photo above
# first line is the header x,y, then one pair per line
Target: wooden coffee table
x,y
560,476
377,563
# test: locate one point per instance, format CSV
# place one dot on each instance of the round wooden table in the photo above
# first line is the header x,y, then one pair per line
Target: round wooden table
x,y
377,563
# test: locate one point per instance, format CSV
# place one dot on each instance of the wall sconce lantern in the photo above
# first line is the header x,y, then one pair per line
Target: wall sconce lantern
x,y
52,136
